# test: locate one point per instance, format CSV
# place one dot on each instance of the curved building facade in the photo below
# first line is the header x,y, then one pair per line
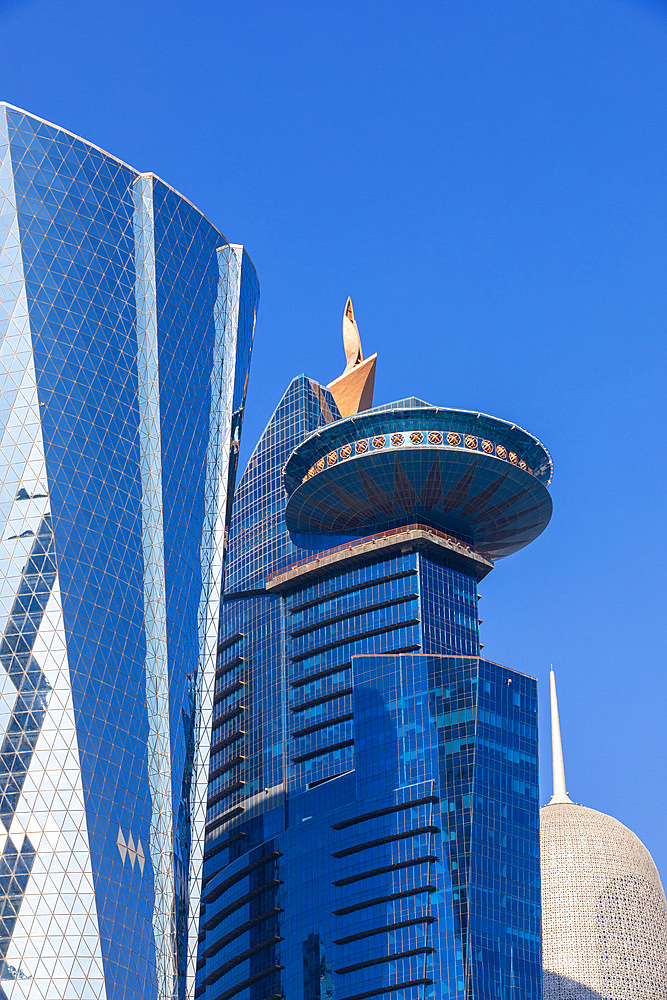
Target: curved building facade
x,y
373,814
126,326
604,914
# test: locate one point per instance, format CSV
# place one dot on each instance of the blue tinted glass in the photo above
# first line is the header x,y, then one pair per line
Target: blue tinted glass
x,y
119,387
372,823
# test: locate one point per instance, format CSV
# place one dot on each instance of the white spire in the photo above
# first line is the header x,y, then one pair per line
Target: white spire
x,y
560,790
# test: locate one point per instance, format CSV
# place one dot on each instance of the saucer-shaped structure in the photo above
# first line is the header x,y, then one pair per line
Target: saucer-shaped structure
x,y
479,478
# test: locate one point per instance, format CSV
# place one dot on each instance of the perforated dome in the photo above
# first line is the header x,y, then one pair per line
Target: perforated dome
x,y
604,914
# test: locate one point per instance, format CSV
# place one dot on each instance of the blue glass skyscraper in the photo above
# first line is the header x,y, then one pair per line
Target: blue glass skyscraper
x,y
373,812
126,326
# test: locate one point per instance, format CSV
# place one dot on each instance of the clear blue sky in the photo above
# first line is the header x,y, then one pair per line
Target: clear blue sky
x,y
489,182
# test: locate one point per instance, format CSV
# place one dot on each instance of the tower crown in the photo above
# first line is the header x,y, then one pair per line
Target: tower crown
x,y
353,390
481,479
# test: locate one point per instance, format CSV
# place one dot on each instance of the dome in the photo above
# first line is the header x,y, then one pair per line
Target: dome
x,y
604,914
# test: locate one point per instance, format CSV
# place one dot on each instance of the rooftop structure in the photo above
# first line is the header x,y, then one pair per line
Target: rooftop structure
x,y
604,915
353,390
478,478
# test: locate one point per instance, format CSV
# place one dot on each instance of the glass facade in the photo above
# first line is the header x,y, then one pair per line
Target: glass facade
x,y
126,325
373,816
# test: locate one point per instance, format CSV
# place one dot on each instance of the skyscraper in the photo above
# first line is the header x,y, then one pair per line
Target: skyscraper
x,y
603,905
373,814
126,325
